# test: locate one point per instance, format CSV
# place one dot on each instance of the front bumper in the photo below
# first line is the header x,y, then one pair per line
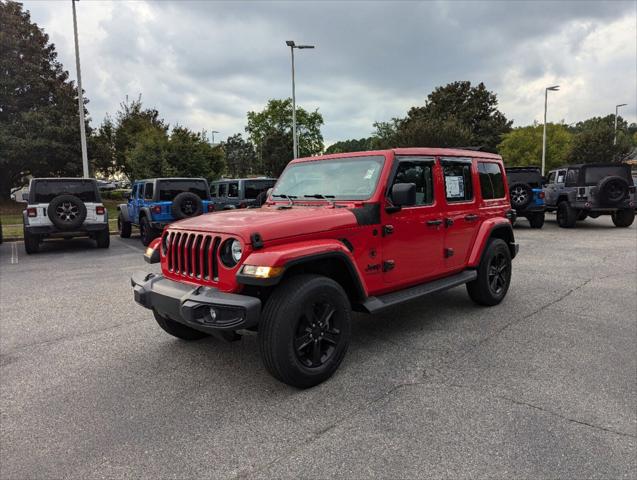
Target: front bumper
x,y
203,308
53,230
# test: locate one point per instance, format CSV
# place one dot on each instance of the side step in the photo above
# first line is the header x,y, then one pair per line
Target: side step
x,y
376,304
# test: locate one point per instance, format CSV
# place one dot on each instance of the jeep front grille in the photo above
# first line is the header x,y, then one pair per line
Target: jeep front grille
x,y
192,255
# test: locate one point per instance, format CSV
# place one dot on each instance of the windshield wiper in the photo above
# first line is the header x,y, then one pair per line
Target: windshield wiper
x,y
322,197
287,197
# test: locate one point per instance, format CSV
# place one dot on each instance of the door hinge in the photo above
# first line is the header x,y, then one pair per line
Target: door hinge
x,y
388,230
388,265
448,252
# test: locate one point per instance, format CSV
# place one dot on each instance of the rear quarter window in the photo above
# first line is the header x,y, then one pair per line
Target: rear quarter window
x,y
46,190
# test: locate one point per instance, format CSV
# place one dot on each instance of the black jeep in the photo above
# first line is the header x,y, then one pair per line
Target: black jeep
x,y
591,190
527,196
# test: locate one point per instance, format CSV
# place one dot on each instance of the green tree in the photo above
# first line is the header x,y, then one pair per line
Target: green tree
x,y
522,146
241,158
270,129
593,140
39,121
102,149
353,145
456,115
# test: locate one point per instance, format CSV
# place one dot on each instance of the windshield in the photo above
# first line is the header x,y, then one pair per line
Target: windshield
x,y
169,189
592,175
352,178
46,190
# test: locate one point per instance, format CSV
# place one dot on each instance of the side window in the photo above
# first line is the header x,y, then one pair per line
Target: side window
x,y
223,189
571,177
148,191
491,180
458,186
551,178
560,176
233,189
419,172
213,190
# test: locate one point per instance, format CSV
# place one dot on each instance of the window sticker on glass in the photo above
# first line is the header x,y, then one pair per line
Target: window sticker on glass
x,y
369,174
455,187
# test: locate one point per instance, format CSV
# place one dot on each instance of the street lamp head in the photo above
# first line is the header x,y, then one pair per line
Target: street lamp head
x,y
621,105
554,88
290,43
305,46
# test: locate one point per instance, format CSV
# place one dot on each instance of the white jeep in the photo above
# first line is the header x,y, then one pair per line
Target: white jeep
x,y
64,208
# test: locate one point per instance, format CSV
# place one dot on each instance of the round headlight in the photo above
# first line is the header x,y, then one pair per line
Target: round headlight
x,y
231,252
235,248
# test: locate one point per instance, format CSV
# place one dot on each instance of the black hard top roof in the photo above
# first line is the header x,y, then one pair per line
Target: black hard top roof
x,y
522,169
583,165
170,178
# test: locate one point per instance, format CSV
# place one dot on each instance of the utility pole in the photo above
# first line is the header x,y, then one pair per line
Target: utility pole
x,y
80,96
295,143
616,114
212,133
546,96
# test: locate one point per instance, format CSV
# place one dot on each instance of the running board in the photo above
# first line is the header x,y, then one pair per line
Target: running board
x,y
376,304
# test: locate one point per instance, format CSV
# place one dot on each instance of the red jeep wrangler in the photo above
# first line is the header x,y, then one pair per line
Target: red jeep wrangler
x,y
360,231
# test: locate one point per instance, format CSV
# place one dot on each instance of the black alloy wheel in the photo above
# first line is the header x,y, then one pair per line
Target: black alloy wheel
x,y
317,334
499,273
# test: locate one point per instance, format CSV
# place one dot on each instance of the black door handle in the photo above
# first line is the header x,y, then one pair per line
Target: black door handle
x,y
434,223
471,218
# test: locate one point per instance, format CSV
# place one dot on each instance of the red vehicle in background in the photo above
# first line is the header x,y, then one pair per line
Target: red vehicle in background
x,y
361,231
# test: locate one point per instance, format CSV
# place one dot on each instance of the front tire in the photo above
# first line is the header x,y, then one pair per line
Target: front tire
x,y
536,220
623,218
31,242
123,227
177,329
494,274
305,329
147,232
566,215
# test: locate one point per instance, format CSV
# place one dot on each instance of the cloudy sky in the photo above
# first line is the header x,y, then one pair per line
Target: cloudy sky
x,y
204,64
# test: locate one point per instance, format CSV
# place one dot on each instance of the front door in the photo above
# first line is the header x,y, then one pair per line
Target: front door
x,y
461,211
412,236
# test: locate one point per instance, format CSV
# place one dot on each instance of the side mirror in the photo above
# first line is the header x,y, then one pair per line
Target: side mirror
x,y
403,194
25,196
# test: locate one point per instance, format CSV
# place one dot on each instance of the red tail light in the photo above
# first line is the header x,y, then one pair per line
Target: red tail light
x,y
211,207
99,210
32,212
540,195
157,209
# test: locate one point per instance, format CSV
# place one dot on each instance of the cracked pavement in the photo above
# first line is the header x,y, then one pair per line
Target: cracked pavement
x,y
542,386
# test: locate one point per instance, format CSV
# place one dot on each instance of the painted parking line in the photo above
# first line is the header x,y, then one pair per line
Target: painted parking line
x,y
14,253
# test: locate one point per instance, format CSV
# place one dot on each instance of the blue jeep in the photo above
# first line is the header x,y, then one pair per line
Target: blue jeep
x,y
527,196
157,202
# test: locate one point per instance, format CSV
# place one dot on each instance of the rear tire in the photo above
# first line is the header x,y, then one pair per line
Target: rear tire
x,y
103,238
305,329
566,215
623,218
536,220
177,329
123,226
31,242
494,274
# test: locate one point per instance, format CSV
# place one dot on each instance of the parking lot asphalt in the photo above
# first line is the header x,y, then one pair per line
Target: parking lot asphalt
x,y
542,386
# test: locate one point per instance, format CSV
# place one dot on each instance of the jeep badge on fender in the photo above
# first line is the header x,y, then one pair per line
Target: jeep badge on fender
x,y
293,270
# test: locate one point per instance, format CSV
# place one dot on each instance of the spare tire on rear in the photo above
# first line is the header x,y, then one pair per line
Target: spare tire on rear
x,y
186,205
521,195
66,212
612,190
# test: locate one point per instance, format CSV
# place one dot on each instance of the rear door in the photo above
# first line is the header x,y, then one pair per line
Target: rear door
x,y
461,211
412,237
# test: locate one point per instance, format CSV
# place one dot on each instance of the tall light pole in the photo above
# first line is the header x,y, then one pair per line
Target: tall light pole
x,y
80,95
295,143
617,113
554,88
212,133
